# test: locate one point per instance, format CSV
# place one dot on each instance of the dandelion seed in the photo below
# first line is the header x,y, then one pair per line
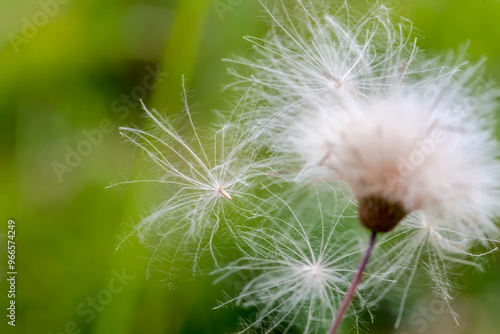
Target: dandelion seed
x,y
299,266
326,51
437,246
201,182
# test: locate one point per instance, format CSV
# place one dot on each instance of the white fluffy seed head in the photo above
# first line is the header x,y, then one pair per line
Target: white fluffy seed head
x,y
418,148
349,99
404,149
352,99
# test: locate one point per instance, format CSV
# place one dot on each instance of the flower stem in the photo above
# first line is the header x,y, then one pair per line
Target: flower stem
x,y
351,292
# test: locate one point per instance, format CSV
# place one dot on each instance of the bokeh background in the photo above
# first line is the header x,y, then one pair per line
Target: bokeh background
x,y
72,69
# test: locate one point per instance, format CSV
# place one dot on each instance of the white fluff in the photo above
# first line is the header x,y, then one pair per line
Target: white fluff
x,y
326,51
352,99
413,148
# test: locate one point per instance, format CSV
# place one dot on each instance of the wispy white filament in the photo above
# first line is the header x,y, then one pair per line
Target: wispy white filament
x,y
203,177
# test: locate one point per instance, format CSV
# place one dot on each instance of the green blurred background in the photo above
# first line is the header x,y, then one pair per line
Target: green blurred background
x,y
71,69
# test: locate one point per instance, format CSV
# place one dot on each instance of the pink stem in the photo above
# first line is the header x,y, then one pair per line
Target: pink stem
x,y
352,289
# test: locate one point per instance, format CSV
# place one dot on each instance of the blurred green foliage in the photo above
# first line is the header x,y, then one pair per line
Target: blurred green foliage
x,y
74,69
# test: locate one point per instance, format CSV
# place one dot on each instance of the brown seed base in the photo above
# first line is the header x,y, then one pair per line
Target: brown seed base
x,y
379,215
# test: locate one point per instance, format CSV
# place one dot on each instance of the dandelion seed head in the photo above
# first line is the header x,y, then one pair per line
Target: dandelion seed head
x,y
347,100
405,150
355,102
